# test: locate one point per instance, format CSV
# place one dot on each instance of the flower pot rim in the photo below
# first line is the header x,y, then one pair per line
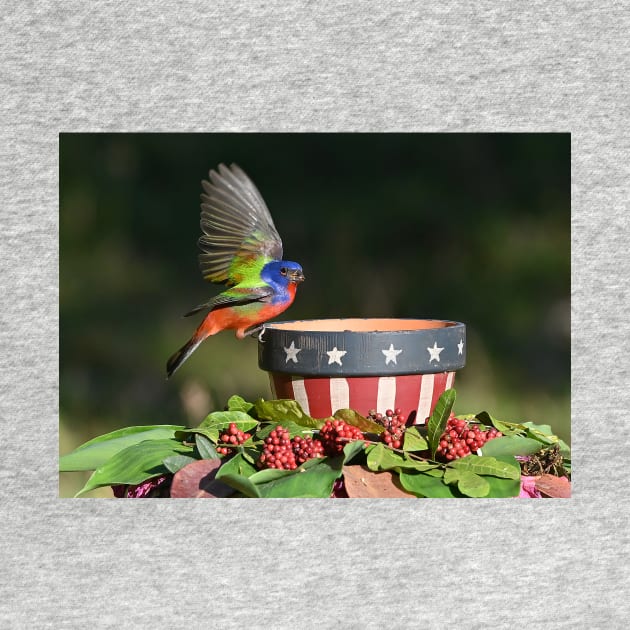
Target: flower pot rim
x,y
347,347
362,324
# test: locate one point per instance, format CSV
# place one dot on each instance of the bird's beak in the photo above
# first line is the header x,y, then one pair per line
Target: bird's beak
x,y
296,276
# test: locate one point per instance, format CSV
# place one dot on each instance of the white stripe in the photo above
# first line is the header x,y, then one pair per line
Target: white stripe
x,y
449,380
299,392
426,395
386,396
339,394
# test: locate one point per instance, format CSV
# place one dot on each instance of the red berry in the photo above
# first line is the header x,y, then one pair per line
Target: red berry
x,y
336,434
461,438
277,451
283,453
306,448
394,424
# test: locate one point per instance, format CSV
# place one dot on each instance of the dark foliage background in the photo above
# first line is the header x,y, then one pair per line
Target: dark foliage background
x,y
470,227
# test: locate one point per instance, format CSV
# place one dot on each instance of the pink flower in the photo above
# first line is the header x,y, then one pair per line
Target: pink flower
x,y
339,490
149,488
528,488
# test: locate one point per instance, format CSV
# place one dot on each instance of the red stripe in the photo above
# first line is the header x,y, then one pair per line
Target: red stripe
x,y
363,391
439,385
282,384
407,393
318,393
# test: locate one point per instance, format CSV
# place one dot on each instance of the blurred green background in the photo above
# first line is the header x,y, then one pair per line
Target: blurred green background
x,y
470,227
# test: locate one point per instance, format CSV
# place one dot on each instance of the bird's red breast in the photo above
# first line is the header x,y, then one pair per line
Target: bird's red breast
x,y
243,316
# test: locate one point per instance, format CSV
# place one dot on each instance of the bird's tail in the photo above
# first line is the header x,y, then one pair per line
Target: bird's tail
x,y
182,354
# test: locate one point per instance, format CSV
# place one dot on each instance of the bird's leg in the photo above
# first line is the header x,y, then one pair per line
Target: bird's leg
x,y
256,331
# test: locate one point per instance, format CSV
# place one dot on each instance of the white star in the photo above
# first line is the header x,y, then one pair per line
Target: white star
x,y
292,353
435,352
334,356
460,347
391,353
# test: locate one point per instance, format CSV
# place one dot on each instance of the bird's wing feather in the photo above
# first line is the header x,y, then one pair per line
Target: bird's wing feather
x,y
237,227
233,297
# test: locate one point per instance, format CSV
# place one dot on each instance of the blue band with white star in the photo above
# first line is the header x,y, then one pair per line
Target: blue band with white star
x,y
362,347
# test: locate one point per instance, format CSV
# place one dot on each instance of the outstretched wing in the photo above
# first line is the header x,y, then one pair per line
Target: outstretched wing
x,y
234,297
237,228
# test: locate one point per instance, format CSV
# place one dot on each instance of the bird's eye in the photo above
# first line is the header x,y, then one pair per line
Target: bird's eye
x,y
283,271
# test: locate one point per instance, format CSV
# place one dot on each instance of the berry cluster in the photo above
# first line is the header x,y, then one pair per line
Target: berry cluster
x,y
394,423
306,448
231,438
460,439
281,452
335,434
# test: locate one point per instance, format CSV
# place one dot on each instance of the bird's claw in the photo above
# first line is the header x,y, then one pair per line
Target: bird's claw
x,y
257,331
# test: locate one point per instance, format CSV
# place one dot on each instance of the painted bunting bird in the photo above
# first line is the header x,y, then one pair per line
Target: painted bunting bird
x,y
241,248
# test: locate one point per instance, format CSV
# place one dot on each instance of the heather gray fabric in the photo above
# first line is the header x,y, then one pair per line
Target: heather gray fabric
x,y
329,66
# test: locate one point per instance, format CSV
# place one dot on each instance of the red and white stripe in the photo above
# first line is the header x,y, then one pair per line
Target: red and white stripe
x,y
321,397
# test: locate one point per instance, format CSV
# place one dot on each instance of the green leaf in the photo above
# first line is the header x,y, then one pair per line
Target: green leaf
x,y
542,429
97,451
236,465
236,472
468,483
427,485
219,421
566,464
451,476
272,474
503,487
413,441
281,411
240,483
351,450
315,481
510,445
472,485
249,453
135,464
177,462
544,434
314,478
236,403
507,428
500,488
381,458
205,447
350,416
269,474
438,419
565,450
498,467
467,416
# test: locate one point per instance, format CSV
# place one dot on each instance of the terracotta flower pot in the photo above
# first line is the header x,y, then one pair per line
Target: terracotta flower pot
x,y
363,364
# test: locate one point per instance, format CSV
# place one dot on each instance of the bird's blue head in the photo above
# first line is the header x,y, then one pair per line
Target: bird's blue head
x,y
281,273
